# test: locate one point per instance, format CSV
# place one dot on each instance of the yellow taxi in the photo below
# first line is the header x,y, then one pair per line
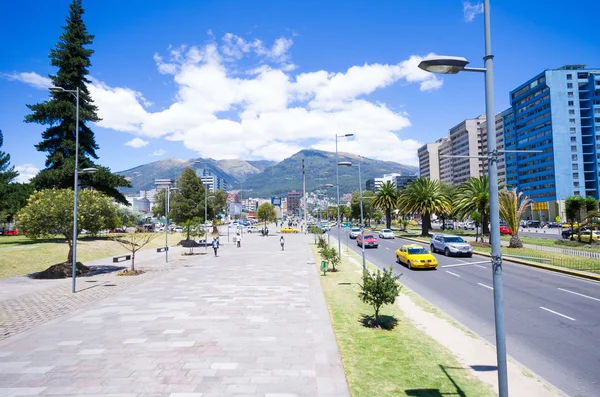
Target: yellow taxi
x,y
413,223
289,230
415,256
588,235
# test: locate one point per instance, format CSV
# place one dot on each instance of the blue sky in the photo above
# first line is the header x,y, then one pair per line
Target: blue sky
x,y
263,79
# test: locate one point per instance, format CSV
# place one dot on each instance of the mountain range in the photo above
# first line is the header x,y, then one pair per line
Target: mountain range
x,y
264,178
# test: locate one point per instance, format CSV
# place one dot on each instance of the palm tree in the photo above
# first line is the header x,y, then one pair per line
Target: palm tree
x,y
425,196
512,207
386,198
474,195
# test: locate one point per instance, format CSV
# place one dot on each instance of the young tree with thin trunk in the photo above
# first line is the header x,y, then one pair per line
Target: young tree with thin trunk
x,y
133,242
379,289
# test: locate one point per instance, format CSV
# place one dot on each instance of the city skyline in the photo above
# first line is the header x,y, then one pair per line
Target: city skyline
x,y
145,83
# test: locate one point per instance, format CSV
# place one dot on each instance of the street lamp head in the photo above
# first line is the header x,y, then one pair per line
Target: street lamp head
x,y
88,170
56,89
329,185
345,163
173,189
347,135
443,64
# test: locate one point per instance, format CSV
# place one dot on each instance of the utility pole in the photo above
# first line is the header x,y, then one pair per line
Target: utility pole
x,y
304,194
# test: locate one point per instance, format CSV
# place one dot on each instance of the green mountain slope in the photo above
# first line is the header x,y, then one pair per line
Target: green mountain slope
x,y
279,179
233,171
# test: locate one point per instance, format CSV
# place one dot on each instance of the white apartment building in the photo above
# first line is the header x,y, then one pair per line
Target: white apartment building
x,y
467,140
445,171
429,159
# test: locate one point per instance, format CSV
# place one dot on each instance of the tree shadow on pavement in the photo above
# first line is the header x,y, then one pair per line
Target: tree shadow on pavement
x,y
436,392
385,322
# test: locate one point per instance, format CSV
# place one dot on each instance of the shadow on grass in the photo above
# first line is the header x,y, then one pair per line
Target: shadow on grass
x,y
385,322
436,392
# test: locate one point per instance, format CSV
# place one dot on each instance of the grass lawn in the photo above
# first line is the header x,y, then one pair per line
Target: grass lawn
x,y
552,243
20,255
403,361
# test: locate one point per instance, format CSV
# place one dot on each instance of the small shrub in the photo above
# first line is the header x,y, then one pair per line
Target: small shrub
x,y
322,243
379,289
331,256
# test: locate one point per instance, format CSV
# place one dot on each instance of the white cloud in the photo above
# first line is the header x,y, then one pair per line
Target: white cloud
x,y
31,78
137,143
263,109
159,152
26,172
471,10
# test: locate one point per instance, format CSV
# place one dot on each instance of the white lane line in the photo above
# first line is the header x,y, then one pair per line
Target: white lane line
x,y
577,293
483,267
387,248
465,264
454,274
486,286
557,313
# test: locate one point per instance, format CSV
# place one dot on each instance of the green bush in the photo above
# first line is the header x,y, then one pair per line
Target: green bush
x,y
379,289
330,255
321,243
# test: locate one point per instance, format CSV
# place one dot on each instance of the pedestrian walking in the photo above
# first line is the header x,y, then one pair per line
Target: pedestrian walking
x,y
215,245
282,242
239,240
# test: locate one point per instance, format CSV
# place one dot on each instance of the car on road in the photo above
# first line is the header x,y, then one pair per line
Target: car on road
x,y
505,229
469,226
450,244
7,232
354,232
534,224
178,229
572,234
386,233
368,240
289,230
589,236
252,229
325,228
447,226
415,256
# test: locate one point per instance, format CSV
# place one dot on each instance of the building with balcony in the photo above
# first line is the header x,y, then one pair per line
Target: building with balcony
x,y
293,202
429,159
556,112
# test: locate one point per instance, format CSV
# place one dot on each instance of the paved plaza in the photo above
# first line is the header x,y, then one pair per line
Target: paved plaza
x,y
251,322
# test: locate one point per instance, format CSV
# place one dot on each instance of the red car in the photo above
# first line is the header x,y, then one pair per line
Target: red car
x,y
505,230
369,240
6,232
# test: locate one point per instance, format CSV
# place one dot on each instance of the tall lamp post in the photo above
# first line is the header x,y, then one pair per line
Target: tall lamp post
x,y
337,181
362,227
75,92
453,65
168,189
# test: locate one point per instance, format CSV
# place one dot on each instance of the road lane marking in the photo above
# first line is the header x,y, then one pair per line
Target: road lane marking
x,y
577,293
387,248
486,286
557,313
483,267
465,264
454,274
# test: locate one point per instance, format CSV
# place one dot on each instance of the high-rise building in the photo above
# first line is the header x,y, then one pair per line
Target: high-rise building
x,y
293,202
446,162
467,139
556,112
429,159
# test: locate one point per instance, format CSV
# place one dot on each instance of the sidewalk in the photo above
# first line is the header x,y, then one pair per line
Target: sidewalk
x,y
251,322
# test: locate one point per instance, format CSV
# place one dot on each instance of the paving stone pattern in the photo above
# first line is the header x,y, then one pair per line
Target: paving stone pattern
x,y
251,322
41,305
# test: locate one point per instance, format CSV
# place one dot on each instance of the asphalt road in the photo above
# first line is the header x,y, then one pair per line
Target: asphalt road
x,y
548,233
552,320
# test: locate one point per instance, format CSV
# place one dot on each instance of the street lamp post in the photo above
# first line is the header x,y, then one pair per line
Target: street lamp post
x,y
337,181
453,65
168,189
76,177
362,228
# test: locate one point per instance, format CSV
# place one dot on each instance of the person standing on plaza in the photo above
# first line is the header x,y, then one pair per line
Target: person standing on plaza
x,y
282,242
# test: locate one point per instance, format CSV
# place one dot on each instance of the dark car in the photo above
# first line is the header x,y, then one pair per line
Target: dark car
x,y
535,224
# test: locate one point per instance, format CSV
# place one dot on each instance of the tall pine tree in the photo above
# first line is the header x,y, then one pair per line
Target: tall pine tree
x,y
7,172
72,58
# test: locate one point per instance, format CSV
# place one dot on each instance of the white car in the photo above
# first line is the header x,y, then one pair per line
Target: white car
x,y
178,229
354,232
252,229
386,233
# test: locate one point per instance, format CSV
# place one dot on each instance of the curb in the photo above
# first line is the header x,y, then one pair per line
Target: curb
x,y
570,272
